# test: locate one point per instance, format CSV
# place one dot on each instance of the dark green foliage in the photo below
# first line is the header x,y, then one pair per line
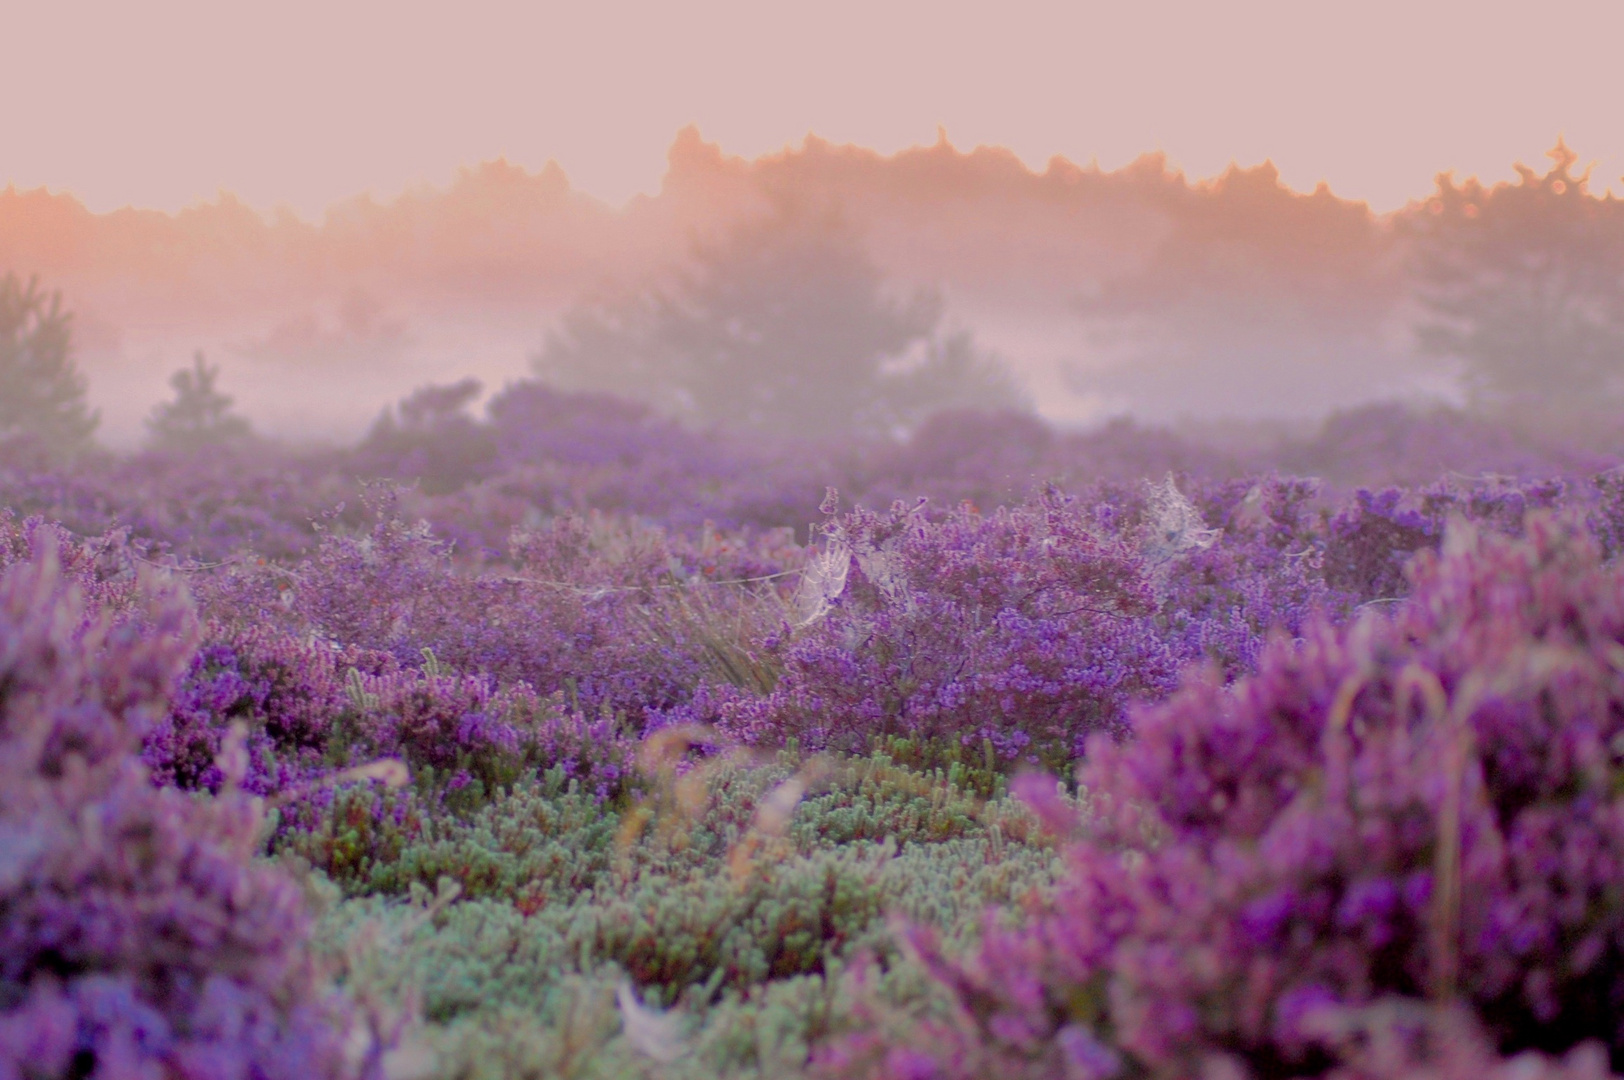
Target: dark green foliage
x,y
752,935
975,769
543,841
874,799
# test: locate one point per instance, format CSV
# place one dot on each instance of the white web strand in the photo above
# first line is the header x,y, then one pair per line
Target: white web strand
x,y
823,579
1173,530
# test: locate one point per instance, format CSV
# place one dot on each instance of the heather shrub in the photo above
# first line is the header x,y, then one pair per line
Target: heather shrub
x,y
139,937
1024,628
1399,1038
1234,562
108,570
616,616
285,696
1423,806
311,713
1369,540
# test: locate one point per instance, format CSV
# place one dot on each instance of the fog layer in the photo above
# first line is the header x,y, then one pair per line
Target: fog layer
x,y
1138,291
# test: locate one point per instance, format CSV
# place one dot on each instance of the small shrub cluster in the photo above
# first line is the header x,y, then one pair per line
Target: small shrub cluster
x,y
314,714
703,899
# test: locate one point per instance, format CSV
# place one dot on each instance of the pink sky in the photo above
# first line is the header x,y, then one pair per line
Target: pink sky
x,y
299,102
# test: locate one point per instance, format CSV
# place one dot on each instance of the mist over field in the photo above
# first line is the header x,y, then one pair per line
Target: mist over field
x,y
1139,291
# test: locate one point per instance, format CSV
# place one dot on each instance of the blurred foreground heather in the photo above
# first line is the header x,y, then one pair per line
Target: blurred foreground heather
x,y
1400,838
141,936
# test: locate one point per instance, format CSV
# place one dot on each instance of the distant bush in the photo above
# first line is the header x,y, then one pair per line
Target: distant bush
x,y
430,438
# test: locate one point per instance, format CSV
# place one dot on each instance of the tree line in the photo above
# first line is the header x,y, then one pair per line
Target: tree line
x,y
786,326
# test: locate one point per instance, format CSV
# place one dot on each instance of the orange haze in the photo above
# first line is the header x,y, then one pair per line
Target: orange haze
x,y
320,324
306,102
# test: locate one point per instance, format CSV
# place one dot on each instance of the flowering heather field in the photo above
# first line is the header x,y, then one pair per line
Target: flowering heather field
x,y
570,743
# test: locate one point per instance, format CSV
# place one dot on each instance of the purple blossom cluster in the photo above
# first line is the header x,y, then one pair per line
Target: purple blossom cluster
x,y
138,938
1370,538
1260,568
310,712
587,607
1025,629
1419,807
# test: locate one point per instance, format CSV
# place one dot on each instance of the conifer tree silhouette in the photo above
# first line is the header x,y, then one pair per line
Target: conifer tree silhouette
x,y
784,326
200,415
42,394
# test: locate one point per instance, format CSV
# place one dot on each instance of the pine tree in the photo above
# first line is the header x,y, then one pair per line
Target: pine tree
x,y
784,326
199,416
42,394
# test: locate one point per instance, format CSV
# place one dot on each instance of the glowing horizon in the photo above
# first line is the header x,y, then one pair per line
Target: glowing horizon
x,y
315,212
168,106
